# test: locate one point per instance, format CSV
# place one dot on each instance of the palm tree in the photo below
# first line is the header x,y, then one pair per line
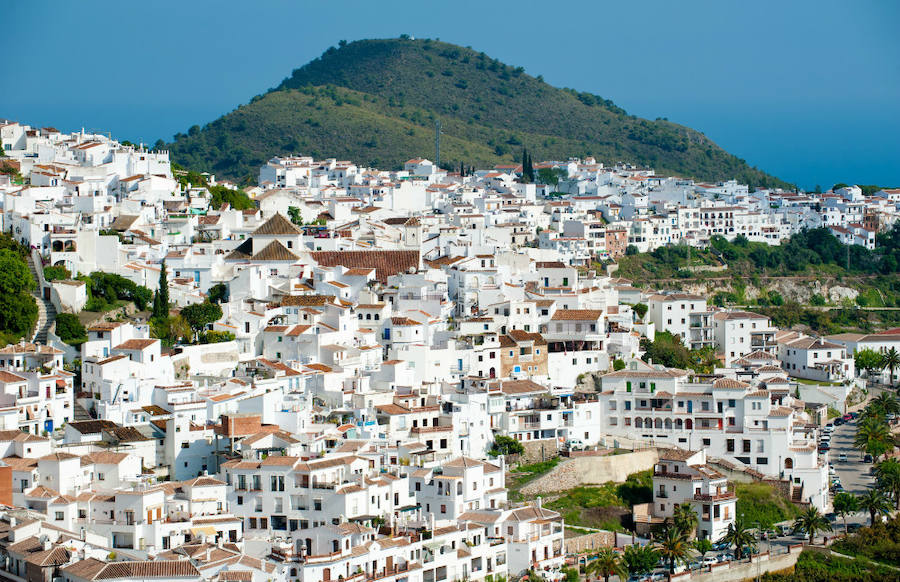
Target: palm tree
x,y
892,361
845,504
810,522
703,546
738,536
888,474
685,519
873,436
875,502
673,547
606,564
886,403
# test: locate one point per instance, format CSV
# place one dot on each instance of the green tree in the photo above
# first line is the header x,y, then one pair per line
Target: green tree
x,y
875,503
887,472
199,315
685,519
892,361
161,299
640,310
606,563
703,546
639,560
504,445
618,364
295,216
845,504
69,328
218,293
15,276
811,522
673,547
667,349
739,537
869,360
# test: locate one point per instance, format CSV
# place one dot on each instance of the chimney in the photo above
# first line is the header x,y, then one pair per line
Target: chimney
x,y
45,543
12,522
538,502
208,551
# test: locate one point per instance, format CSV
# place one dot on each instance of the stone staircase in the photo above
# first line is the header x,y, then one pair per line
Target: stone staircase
x,y
46,311
81,413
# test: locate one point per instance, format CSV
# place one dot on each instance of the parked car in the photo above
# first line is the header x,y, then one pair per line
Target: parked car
x,y
867,458
838,421
855,415
828,428
710,560
824,447
575,444
842,458
847,418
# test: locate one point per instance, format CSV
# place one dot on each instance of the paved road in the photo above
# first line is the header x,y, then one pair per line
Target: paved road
x,y
854,474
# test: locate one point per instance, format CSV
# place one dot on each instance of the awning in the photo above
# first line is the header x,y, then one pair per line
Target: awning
x,y
203,530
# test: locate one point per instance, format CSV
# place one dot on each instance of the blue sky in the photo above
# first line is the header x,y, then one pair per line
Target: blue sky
x,y
806,90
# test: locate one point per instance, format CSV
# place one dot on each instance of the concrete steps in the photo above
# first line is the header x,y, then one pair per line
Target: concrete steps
x,y
46,311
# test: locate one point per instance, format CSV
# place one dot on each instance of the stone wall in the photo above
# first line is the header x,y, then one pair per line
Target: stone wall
x,y
737,572
539,450
591,470
590,542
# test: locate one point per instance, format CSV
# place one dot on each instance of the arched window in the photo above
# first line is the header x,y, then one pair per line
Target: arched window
x,y
638,423
689,424
459,488
789,463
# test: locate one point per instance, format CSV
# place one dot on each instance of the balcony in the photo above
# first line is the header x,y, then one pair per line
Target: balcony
x,y
725,496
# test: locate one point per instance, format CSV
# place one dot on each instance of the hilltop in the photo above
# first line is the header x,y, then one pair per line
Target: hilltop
x,y
375,102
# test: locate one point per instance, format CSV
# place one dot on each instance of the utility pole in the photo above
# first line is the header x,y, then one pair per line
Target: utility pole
x,y
437,142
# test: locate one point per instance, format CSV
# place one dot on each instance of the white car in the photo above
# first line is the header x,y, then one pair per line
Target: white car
x,y
829,428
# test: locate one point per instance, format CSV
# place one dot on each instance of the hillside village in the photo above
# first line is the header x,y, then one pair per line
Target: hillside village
x,y
376,332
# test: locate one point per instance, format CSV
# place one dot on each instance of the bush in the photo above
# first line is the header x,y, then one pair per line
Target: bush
x,y
215,337
56,273
69,329
105,289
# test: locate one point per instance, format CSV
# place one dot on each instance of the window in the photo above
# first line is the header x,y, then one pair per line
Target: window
x,y
705,442
628,386
60,516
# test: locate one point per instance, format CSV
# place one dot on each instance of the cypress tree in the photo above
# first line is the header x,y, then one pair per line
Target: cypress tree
x,y
161,299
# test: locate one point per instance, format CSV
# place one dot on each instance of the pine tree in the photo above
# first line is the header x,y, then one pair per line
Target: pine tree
x,y
161,298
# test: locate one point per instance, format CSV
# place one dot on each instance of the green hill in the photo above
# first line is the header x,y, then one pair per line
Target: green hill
x,y
375,102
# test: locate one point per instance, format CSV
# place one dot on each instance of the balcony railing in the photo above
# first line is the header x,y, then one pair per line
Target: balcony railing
x,y
716,497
